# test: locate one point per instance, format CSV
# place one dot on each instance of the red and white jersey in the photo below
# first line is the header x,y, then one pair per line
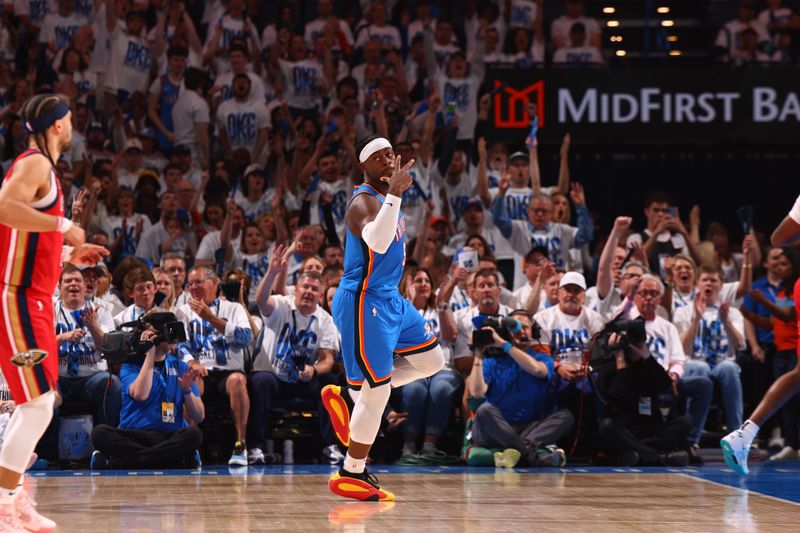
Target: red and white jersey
x,y
32,260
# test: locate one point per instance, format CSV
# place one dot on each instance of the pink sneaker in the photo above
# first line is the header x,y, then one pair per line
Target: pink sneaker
x,y
9,523
28,517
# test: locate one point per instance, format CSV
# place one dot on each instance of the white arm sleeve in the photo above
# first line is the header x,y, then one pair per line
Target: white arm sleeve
x,y
379,233
794,214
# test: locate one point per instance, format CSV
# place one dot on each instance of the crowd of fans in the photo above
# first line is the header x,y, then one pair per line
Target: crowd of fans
x,y
213,155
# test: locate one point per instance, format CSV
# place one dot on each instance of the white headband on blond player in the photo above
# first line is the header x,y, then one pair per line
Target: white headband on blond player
x,y
373,146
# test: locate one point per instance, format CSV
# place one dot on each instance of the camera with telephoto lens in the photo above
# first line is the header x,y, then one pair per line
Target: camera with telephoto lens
x,y
503,325
628,332
125,343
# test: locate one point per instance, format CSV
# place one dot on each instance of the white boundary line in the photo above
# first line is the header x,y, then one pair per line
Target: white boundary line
x,y
740,489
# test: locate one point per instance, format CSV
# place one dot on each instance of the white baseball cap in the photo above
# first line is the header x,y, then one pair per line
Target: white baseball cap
x,y
572,278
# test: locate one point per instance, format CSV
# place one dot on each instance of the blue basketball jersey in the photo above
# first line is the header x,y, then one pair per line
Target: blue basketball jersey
x,y
368,271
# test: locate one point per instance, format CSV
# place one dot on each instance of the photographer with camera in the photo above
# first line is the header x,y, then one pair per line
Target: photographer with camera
x,y
631,382
159,394
296,356
515,381
485,290
217,333
664,342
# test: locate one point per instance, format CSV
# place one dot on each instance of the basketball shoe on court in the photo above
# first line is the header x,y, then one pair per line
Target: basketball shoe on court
x,y
9,522
735,447
28,517
363,486
338,408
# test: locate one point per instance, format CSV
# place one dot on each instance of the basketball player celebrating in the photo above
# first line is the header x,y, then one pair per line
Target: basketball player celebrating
x,y
376,323
736,445
32,232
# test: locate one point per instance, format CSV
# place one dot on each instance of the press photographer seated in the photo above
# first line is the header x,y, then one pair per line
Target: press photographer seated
x,y
158,396
630,382
517,415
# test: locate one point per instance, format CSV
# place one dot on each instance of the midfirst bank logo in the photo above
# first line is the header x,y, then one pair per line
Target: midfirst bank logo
x,y
511,105
643,105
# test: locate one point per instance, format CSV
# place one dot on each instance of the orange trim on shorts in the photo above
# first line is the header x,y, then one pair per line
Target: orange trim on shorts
x,y
417,347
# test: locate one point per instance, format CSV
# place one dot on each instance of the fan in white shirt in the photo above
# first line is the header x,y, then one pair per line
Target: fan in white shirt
x,y
223,85
80,328
537,270
560,28
143,286
578,52
605,296
306,80
711,329
458,83
130,56
522,14
58,27
683,274
212,242
728,37
243,122
379,30
569,326
126,228
217,330
302,329
477,222
539,229
233,25
711,333
325,17
191,117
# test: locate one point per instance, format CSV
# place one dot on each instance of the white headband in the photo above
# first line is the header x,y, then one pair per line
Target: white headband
x,y
373,146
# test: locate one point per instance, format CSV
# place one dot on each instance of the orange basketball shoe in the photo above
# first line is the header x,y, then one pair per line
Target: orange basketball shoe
x,y
363,486
339,411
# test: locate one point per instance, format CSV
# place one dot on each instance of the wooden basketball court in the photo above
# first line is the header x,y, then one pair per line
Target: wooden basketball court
x,y
429,499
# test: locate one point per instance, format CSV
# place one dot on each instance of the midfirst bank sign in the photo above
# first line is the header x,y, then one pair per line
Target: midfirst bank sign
x,y
642,105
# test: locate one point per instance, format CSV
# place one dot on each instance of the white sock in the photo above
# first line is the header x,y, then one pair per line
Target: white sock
x,y
428,446
7,496
749,429
356,466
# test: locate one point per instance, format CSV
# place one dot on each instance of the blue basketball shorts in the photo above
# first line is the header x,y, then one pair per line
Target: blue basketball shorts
x,y
374,330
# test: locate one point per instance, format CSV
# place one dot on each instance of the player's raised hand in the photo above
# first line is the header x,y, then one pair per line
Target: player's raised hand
x,y
88,254
400,180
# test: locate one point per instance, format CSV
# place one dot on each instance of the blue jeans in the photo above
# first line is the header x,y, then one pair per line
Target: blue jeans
x,y
725,375
696,391
92,390
429,402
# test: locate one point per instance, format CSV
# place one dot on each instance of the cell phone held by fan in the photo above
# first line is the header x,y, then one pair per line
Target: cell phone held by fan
x,y
231,289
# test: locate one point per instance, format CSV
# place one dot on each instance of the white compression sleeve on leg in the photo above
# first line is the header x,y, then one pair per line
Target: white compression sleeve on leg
x,y
367,413
420,365
26,427
379,233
